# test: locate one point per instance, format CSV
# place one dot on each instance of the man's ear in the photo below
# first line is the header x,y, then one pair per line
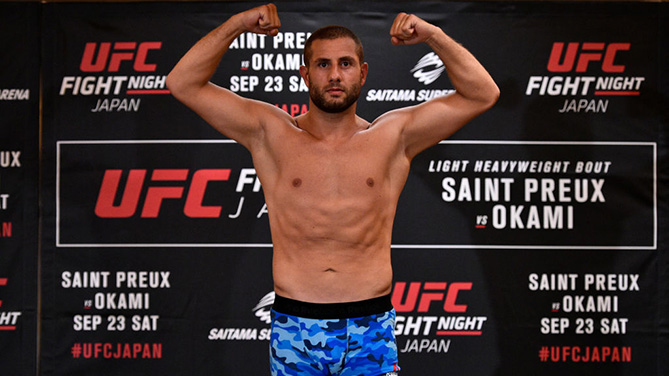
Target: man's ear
x,y
364,68
304,72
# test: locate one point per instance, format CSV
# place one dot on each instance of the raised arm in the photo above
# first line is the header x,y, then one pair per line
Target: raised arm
x,y
236,117
475,91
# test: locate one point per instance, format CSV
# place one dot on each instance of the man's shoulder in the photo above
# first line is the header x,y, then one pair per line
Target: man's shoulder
x,y
392,119
273,115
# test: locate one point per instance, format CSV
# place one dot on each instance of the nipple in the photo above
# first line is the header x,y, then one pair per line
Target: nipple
x,y
297,182
370,182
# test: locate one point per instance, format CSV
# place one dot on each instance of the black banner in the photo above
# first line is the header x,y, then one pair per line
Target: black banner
x,y
531,242
19,153
530,194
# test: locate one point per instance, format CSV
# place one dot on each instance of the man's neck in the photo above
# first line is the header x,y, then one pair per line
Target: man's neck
x,y
324,125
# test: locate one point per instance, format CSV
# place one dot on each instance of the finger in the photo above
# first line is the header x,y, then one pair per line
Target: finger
x,y
399,19
273,15
407,27
394,29
394,26
268,20
403,28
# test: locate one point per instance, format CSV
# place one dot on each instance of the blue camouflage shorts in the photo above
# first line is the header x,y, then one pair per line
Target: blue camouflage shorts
x,y
314,339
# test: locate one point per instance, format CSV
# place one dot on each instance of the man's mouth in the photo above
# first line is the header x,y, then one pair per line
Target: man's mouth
x,y
335,89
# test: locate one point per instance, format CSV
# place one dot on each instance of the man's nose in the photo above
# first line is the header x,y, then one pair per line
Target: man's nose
x,y
335,74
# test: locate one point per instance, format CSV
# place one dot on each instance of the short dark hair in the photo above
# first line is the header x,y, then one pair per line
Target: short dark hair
x,y
332,32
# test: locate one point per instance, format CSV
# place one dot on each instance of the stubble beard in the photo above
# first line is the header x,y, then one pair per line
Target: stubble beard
x,y
335,105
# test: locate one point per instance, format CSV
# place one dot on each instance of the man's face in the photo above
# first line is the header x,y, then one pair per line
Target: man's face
x,y
334,75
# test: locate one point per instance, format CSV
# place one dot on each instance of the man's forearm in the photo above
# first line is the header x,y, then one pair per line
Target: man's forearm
x,y
198,65
195,68
468,76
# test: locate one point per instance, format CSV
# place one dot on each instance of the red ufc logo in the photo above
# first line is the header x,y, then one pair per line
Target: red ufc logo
x,y
129,203
430,292
110,59
582,55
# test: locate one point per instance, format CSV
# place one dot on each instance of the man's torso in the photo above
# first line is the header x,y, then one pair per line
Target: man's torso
x,y
331,205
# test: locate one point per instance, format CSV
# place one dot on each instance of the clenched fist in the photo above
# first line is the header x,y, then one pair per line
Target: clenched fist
x,y
261,20
410,29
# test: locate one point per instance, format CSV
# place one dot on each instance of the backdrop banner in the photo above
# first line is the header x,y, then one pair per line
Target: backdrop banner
x,y
531,242
19,173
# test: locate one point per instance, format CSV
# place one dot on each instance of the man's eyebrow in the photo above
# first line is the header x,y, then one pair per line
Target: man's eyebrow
x,y
347,58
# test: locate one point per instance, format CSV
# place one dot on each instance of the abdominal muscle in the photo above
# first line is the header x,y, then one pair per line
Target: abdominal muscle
x,y
332,250
304,278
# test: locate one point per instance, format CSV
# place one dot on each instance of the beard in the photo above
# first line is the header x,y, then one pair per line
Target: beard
x,y
334,105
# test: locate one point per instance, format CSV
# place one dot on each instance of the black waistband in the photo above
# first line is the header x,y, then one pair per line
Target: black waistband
x,y
332,310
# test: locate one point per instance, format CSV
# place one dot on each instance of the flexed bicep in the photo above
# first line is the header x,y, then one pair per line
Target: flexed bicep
x,y
475,90
189,81
436,120
229,113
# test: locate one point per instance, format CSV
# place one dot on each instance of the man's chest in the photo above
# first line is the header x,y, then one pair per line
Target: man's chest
x,y
353,167
364,163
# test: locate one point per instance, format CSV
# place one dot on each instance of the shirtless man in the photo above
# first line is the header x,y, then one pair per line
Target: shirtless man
x,y
332,181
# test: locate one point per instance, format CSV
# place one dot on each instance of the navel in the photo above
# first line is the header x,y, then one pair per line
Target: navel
x,y
370,182
297,182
